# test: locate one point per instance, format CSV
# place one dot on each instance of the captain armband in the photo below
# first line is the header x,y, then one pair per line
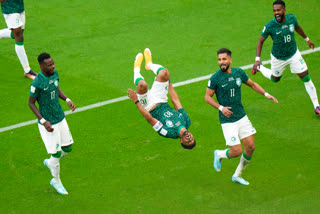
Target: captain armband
x,y
157,126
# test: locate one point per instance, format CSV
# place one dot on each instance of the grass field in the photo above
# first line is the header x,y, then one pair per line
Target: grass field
x,y
118,164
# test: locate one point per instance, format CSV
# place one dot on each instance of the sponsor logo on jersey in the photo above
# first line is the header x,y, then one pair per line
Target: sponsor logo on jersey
x,y
238,82
166,88
278,32
169,123
291,27
233,139
224,85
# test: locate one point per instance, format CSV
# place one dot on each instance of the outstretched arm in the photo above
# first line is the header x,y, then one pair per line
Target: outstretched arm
x,y
255,86
35,110
208,98
133,96
300,31
62,96
174,97
258,53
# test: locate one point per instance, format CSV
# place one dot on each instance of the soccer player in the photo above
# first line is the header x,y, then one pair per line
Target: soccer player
x,y
14,15
153,103
226,84
52,124
284,50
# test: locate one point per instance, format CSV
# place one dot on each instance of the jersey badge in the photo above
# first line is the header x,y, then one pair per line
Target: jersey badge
x,y
56,83
169,123
291,27
238,82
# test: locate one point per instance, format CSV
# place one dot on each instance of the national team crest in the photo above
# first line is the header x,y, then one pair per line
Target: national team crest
x,y
169,123
238,82
56,83
291,27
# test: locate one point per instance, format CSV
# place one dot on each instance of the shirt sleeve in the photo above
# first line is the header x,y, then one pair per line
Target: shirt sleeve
x,y
168,132
34,91
212,84
265,32
295,21
244,76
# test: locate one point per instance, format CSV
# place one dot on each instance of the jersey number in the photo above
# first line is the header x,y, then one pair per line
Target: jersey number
x,y
287,38
53,94
168,114
232,92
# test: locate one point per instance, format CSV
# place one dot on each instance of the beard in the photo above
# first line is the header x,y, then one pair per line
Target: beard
x,y
224,69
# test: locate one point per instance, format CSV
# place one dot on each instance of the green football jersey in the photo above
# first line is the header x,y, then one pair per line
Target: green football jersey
x,y
12,6
45,90
227,88
284,44
173,121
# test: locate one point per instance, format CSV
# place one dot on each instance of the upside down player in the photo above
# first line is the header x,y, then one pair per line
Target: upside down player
x,y
153,103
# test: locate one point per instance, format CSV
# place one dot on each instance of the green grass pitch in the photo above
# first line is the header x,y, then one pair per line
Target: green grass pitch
x,y
118,163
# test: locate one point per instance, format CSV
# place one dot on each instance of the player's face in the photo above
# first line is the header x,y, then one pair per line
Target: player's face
x,y
279,12
187,139
48,67
224,61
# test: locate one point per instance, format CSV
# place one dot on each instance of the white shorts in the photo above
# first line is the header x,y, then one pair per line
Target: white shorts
x,y
15,20
296,62
61,136
157,94
234,132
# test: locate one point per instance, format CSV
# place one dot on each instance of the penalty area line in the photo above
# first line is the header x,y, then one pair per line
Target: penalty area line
x,y
115,100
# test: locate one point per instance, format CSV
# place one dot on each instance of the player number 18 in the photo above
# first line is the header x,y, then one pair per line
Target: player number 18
x,y
287,38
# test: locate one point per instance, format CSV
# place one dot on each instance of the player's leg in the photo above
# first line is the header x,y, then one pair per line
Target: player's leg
x,y
297,64
53,146
148,62
138,80
230,132
65,137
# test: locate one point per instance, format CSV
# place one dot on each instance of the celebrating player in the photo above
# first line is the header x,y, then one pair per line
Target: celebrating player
x,y
52,124
153,103
226,84
284,50
14,15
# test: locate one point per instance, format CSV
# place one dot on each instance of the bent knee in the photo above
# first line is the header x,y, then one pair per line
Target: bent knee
x,y
164,74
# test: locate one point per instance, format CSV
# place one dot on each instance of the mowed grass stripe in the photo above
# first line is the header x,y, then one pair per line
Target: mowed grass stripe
x,y
107,102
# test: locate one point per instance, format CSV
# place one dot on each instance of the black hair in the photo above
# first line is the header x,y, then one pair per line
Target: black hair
x,y
280,2
42,57
224,50
189,146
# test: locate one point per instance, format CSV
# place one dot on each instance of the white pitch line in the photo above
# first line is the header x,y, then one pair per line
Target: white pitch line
x,y
115,100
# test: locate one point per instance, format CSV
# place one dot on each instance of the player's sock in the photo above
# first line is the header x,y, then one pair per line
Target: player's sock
x,y
54,165
21,53
311,90
5,33
65,151
223,153
155,67
137,76
265,71
244,160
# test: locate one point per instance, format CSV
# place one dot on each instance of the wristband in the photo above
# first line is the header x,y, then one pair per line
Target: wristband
x,y
221,107
68,100
307,39
157,126
42,121
136,102
257,58
266,94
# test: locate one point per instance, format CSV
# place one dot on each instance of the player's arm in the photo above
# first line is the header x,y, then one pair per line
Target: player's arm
x,y
208,98
258,52
34,109
62,96
174,97
1,1
255,86
153,121
300,31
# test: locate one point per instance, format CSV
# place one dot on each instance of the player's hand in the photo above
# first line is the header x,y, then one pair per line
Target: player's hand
x,y
71,105
226,112
270,97
48,126
310,43
255,65
132,95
